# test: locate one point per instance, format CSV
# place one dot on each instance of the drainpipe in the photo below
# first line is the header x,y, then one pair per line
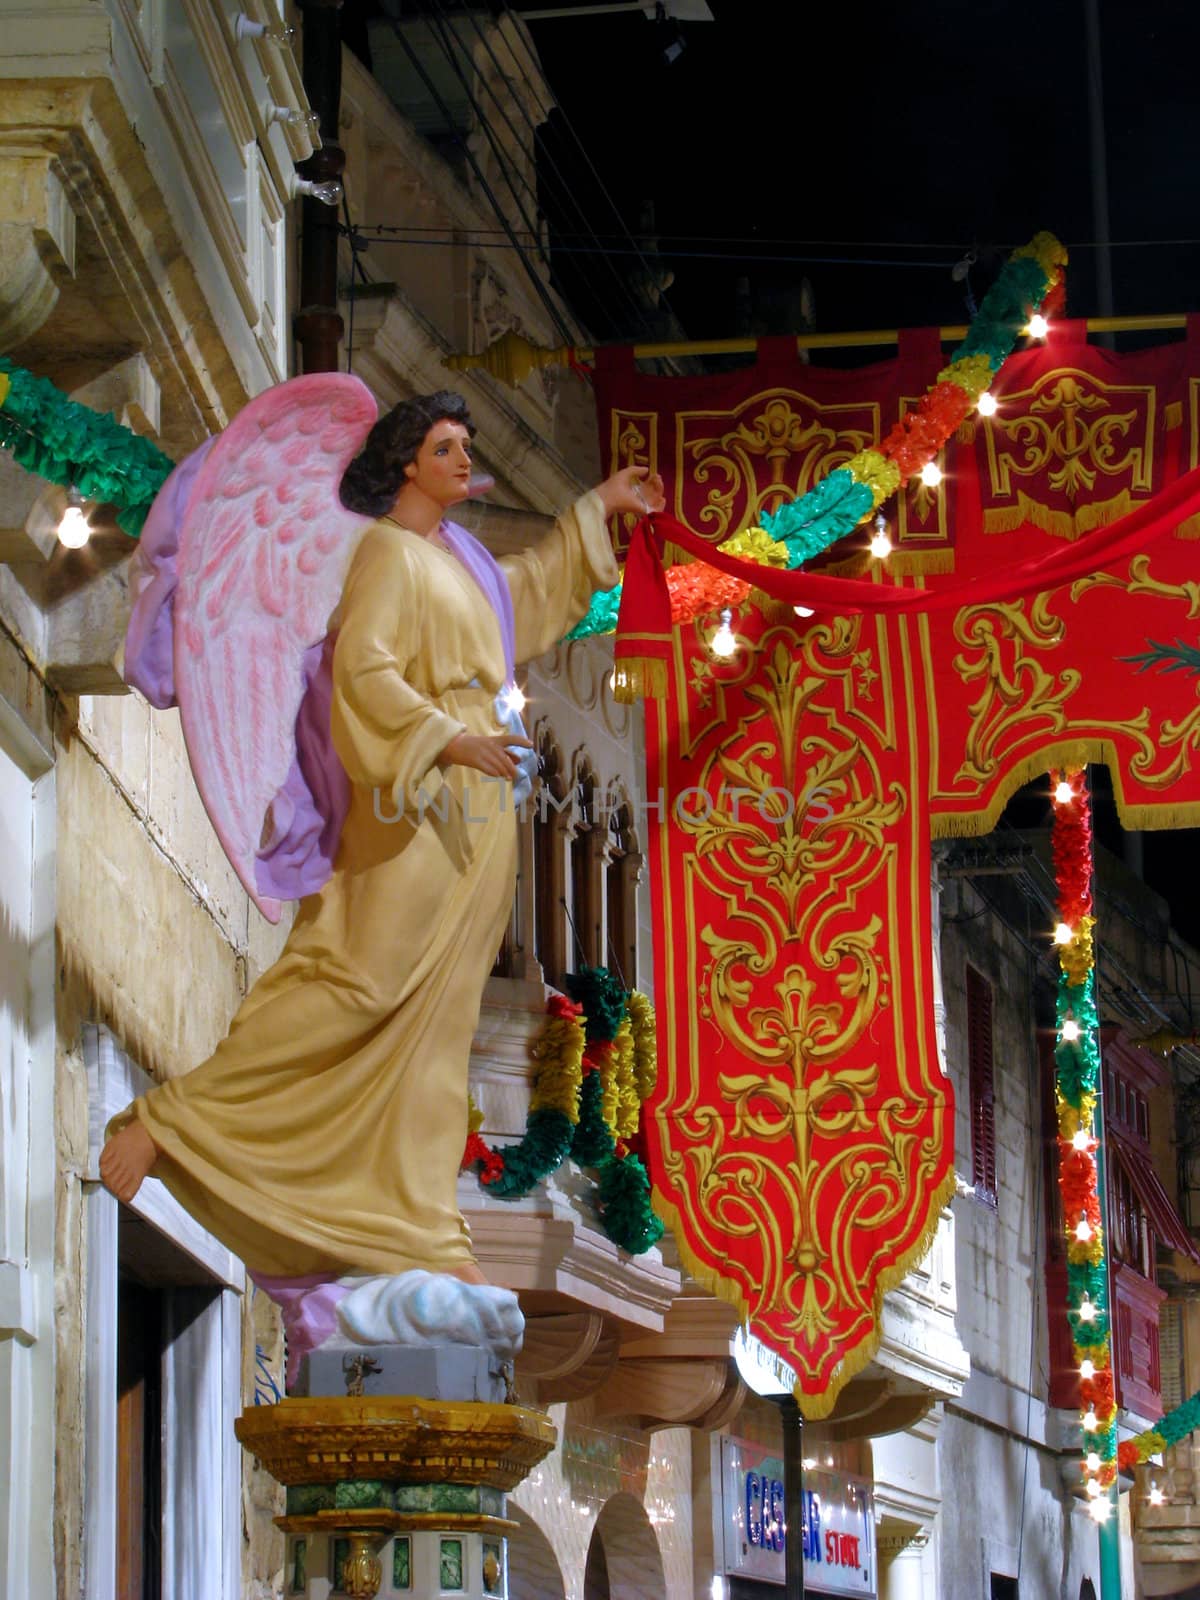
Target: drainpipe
x,y
318,324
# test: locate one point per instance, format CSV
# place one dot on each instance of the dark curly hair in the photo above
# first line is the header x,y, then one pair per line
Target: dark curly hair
x,y
375,477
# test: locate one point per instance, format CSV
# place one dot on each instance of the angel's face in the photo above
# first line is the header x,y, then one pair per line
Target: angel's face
x,y
442,467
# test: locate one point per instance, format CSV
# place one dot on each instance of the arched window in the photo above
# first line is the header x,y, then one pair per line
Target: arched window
x,y
622,873
587,870
551,807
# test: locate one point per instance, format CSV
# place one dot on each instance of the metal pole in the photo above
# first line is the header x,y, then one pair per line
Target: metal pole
x,y
793,1497
666,348
1110,1530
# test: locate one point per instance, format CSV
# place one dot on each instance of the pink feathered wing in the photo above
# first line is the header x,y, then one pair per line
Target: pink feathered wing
x,y
264,548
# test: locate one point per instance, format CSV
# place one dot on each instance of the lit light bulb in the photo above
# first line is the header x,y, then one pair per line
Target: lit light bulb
x,y
987,404
1063,934
723,642
1087,1311
1087,1368
1063,792
931,474
1093,1461
1090,1421
1037,327
1093,1488
1070,1030
809,1463
1101,1509
327,190
1083,1230
1081,1138
803,611
1156,1496
514,699
74,529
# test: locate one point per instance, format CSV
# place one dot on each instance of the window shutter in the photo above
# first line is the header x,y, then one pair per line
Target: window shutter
x,y
982,1086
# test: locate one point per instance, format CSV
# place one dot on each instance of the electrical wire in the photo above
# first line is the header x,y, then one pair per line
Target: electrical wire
x,y
561,187
955,250
382,229
557,184
590,164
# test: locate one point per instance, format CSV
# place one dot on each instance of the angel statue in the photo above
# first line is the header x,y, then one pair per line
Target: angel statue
x,y
339,652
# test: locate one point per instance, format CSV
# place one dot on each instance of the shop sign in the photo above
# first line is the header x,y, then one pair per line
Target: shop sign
x,y
838,1529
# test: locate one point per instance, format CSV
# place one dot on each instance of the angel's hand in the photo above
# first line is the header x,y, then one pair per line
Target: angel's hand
x,y
484,752
634,489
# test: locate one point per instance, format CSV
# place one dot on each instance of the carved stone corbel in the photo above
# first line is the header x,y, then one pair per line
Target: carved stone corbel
x,y
37,243
664,1393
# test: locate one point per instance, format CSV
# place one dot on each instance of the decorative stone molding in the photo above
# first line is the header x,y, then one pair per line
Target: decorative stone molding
x,y
398,353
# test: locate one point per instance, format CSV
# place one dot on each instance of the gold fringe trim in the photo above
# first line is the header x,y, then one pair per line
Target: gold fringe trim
x,y
1173,415
967,824
1062,524
816,1407
917,563
639,678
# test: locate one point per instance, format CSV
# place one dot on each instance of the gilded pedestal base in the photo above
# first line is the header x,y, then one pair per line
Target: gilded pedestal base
x,y
395,1496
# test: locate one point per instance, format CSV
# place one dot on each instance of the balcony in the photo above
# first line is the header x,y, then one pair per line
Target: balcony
x,y
670,1337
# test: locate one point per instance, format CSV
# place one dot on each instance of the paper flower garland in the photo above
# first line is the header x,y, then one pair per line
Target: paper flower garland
x,y
596,1064
79,448
851,494
1077,1070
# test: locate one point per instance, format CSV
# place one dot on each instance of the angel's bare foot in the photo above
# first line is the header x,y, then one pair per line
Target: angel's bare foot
x,y
468,1274
126,1159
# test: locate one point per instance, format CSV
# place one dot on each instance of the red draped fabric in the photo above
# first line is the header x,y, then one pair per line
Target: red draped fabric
x,y
800,1139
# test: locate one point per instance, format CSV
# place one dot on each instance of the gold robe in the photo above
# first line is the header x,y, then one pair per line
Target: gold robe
x,y
325,1133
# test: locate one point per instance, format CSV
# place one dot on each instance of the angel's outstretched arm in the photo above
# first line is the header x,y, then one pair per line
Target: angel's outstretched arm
x,y
387,733
553,581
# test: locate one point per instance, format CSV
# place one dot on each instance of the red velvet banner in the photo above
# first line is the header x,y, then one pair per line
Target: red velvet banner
x,y
801,1135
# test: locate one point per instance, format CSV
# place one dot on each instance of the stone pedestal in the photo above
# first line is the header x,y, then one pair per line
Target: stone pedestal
x,y
395,1496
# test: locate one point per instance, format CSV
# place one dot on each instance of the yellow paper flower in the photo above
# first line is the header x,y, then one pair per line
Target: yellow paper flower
x,y
879,472
972,374
1077,958
1049,253
558,1052
645,1064
1072,1118
756,544
474,1115
628,1104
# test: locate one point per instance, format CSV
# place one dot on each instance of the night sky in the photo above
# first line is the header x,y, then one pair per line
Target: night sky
x,y
902,134
853,133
